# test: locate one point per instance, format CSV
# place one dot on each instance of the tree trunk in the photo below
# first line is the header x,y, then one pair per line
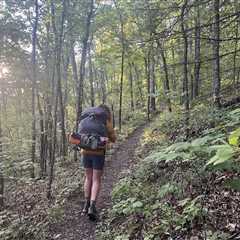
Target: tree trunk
x,y
121,83
139,85
65,77
42,139
74,66
59,40
34,81
122,65
131,87
166,83
83,62
1,158
235,79
103,86
216,61
151,69
58,96
1,190
190,59
197,54
92,97
174,80
185,68
113,116
45,147
146,60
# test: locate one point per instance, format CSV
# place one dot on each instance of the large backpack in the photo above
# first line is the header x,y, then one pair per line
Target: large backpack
x,y
93,121
92,129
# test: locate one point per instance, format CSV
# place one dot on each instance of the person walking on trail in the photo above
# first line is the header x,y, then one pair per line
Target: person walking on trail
x,y
98,122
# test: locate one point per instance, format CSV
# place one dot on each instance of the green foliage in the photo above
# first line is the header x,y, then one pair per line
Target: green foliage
x,y
168,188
160,188
233,184
224,153
234,137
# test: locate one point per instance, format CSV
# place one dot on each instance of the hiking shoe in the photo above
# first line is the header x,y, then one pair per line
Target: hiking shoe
x,y
92,213
85,207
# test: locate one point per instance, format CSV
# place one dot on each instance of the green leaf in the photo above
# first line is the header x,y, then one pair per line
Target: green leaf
x,y
166,189
180,146
201,141
236,111
137,204
233,139
234,184
224,153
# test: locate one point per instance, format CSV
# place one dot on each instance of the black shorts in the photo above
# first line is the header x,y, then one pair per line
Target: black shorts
x,y
93,161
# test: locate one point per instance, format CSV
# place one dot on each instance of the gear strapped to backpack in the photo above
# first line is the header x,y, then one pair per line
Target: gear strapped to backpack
x,y
92,130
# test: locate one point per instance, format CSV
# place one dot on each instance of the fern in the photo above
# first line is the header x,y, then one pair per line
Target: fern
x,y
224,153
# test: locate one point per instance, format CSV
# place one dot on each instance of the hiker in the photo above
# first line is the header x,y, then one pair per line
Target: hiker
x,y
97,120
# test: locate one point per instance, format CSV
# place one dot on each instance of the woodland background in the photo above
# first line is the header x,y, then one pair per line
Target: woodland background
x,y
142,58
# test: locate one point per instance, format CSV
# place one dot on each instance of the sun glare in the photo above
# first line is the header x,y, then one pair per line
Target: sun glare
x,y
3,71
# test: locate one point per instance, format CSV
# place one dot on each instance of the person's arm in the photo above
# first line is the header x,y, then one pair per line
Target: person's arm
x,y
111,132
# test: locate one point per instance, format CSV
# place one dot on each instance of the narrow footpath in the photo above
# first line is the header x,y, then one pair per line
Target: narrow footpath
x,y
76,227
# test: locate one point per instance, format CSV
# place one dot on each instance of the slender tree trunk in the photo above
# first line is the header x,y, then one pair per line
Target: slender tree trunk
x,y
34,81
1,158
83,62
139,84
190,57
216,61
72,53
92,97
197,54
122,64
235,80
113,116
58,96
146,60
82,69
131,86
185,68
174,80
45,147
1,190
121,83
166,83
59,41
151,56
74,66
151,69
65,77
103,86
235,56
42,139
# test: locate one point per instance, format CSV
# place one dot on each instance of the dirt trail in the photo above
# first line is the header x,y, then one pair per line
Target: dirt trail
x,y
76,227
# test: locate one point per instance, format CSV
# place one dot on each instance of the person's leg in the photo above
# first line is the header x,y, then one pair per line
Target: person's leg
x,y
98,164
88,183
96,184
87,164
87,189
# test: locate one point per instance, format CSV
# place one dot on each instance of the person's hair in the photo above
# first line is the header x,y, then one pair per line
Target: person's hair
x,y
106,109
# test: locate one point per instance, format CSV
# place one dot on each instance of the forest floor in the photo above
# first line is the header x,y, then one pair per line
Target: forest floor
x,y
74,226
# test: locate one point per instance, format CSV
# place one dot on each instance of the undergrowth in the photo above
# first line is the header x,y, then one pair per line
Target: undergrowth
x,y
178,188
28,214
